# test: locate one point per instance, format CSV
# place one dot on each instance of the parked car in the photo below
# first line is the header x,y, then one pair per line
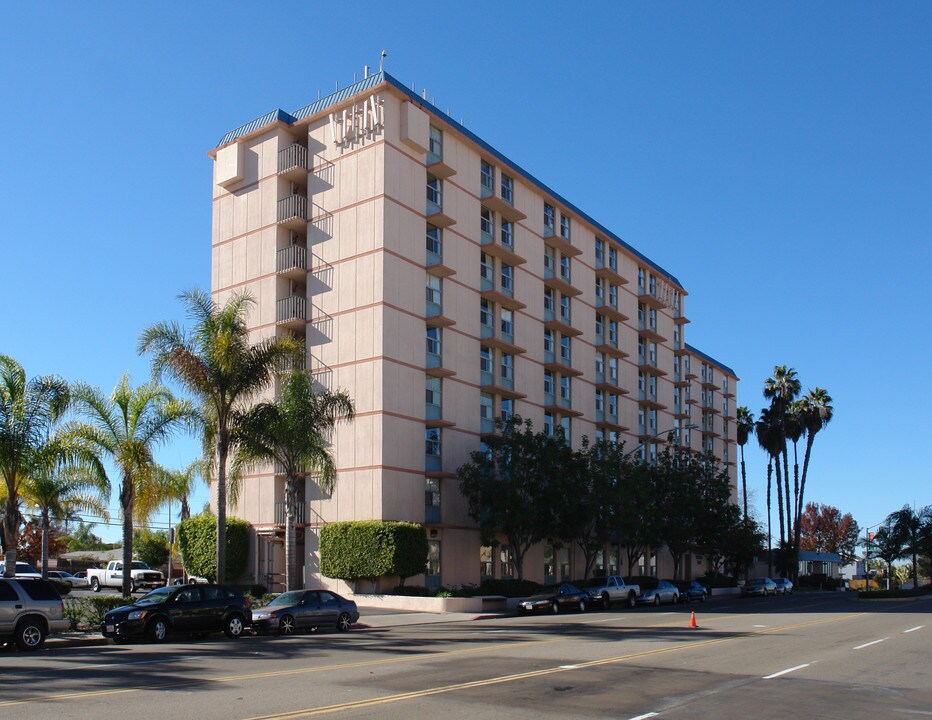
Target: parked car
x,y
759,586
661,591
195,609
611,589
30,609
555,599
141,576
67,577
25,570
298,610
693,591
784,586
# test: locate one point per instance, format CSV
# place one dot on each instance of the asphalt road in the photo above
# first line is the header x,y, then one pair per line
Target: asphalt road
x,y
805,656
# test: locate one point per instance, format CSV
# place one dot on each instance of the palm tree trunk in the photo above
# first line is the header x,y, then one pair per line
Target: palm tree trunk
x,y
45,544
744,484
223,447
786,486
291,574
769,531
776,465
10,535
127,501
801,499
796,485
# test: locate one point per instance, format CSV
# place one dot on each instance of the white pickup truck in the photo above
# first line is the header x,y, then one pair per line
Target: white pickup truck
x,y
141,576
611,589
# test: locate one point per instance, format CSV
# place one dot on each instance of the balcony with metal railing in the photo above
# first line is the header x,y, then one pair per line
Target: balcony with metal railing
x,y
292,163
291,262
292,212
300,515
291,312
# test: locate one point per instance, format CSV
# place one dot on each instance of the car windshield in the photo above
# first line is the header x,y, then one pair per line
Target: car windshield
x,y
159,595
287,599
137,565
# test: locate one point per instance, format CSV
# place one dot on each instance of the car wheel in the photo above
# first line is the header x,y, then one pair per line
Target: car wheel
x,y
286,625
234,626
95,584
632,601
157,630
344,622
30,634
582,606
606,601
657,600
555,607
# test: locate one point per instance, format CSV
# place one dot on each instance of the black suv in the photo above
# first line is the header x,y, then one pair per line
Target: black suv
x,y
195,609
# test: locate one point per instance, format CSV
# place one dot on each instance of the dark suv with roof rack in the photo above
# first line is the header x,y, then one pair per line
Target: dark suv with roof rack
x,y
193,609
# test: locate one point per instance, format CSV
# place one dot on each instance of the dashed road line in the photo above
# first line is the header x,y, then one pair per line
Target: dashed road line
x,y
873,642
918,627
784,672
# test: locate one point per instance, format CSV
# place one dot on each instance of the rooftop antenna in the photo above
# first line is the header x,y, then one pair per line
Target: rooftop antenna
x,y
382,60
365,71
424,94
318,93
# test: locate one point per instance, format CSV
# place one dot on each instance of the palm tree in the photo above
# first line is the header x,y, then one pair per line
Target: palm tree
x,y
745,425
911,526
180,484
217,363
28,409
887,545
816,412
293,433
795,429
770,439
68,479
126,427
781,389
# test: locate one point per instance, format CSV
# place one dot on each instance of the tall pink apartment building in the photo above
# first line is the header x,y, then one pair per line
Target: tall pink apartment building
x,y
443,287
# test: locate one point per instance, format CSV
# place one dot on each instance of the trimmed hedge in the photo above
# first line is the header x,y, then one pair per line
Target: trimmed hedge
x,y
197,540
87,613
886,594
369,549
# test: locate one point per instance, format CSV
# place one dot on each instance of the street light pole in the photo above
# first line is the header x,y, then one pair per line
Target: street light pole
x,y
689,426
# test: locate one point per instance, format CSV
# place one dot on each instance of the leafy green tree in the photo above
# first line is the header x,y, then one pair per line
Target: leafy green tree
x,y
503,487
678,476
293,432
745,428
83,538
28,410
151,547
637,514
216,362
126,427
67,478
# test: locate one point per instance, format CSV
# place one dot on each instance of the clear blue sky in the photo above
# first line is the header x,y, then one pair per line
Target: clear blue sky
x,y
774,157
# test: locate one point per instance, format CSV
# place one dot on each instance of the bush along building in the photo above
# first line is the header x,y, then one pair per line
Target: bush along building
x,y
444,287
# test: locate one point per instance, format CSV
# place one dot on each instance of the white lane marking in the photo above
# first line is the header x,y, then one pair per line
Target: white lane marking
x,y
911,712
760,626
873,642
568,667
784,672
593,622
664,613
918,627
644,716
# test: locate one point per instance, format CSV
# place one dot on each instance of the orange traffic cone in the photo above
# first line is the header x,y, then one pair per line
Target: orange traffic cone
x,y
692,620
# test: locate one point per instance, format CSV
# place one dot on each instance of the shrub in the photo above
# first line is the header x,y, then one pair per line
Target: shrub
x,y
151,547
369,549
63,588
509,588
197,540
717,581
258,601
819,582
882,594
87,613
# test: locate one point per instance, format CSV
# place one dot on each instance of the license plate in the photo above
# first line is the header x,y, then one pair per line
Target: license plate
x,y
109,628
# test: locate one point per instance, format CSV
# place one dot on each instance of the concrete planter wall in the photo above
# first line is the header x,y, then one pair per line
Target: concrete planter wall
x,y
479,604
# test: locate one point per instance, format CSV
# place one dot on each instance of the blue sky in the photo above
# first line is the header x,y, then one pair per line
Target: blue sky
x,y
774,157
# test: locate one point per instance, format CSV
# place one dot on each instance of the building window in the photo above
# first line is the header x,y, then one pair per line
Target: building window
x,y
486,267
435,191
613,259
549,565
507,233
599,401
613,370
508,366
613,333
432,492
549,259
565,308
652,383
613,405
548,341
432,390
566,353
487,223
434,294
508,326
432,442
507,278
507,560
508,189
548,424
548,299
566,426
642,316
433,558
642,420
599,250
485,359
486,314
600,364
548,383
565,267
599,288
486,562
433,340
599,325
566,388
642,350
642,283
549,219
564,227
652,316
486,407
642,382
487,178
434,240
652,422
613,295
508,409
435,145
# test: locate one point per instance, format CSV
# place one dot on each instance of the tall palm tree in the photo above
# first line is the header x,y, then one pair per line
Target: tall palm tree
x,y
795,429
28,409
887,545
292,432
781,389
816,412
68,479
769,437
179,485
126,427
745,425
216,362
911,526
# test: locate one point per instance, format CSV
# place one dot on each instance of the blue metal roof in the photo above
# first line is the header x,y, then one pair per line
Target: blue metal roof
x,y
709,358
379,77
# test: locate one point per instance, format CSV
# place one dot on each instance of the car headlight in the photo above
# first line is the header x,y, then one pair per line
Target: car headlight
x,y
136,615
